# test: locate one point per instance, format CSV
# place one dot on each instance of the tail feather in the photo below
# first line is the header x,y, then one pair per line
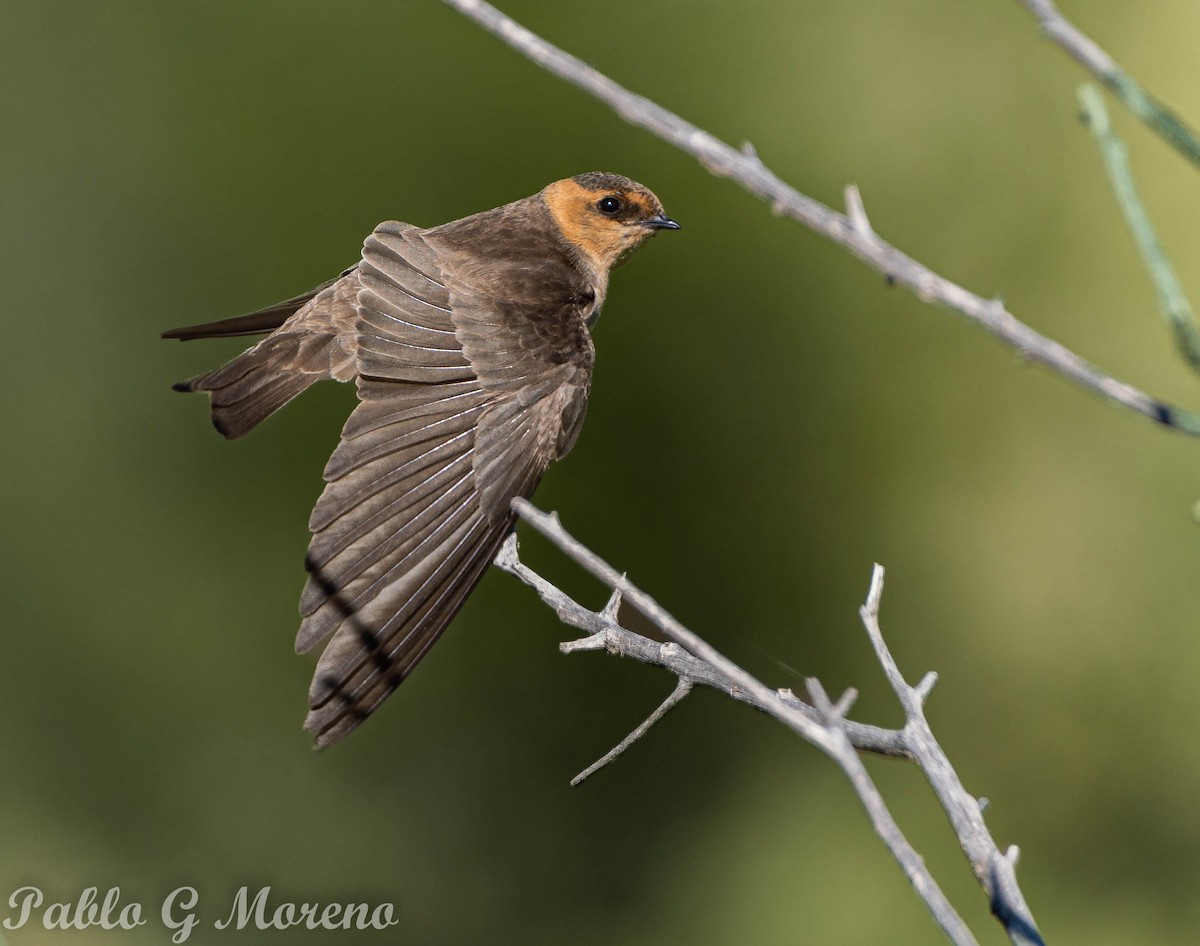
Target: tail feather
x,y
258,382
254,323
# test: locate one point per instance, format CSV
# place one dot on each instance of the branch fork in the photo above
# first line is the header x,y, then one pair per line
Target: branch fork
x,y
821,721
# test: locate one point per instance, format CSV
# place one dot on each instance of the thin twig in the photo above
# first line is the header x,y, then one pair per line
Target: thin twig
x,y
1100,64
745,168
1171,298
994,870
682,689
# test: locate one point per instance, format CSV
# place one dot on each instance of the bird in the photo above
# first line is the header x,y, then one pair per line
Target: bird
x,y
470,347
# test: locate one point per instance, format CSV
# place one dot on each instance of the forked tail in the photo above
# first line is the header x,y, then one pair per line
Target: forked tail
x,y
258,382
261,380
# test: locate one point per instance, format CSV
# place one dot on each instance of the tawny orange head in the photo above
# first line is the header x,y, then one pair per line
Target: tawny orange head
x,y
605,215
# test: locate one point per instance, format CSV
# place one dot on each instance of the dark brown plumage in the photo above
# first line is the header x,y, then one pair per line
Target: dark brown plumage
x,y
470,348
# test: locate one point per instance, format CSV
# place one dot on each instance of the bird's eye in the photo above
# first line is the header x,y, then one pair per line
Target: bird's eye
x,y
609,206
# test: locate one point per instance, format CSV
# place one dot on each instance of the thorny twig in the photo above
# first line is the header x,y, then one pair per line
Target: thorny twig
x,y
820,722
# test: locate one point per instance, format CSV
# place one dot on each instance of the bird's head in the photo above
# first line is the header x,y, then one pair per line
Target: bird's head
x,y
605,216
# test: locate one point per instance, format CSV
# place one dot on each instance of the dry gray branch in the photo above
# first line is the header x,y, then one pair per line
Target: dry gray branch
x,y
852,232
820,722
996,872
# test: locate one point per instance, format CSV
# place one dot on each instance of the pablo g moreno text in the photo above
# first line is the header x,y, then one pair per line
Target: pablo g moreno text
x,y
179,912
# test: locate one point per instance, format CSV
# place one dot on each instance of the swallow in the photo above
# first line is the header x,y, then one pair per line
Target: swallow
x,y
470,347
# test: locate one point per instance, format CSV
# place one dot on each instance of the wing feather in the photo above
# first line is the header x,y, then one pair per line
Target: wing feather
x,y
390,574
346,556
357,496
334,719
350,658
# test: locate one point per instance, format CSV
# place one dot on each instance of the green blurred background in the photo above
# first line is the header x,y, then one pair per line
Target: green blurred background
x,y
767,420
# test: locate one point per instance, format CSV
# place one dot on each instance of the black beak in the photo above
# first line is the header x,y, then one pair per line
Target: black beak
x,y
661,222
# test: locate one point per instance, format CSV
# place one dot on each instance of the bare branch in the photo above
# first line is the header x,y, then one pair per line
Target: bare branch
x,y
1171,298
745,168
994,870
1100,64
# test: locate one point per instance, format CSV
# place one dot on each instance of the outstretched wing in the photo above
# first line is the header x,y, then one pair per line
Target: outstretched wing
x,y
464,404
